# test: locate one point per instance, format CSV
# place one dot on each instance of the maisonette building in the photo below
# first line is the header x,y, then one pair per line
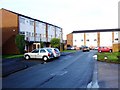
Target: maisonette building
x,y
34,30
94,38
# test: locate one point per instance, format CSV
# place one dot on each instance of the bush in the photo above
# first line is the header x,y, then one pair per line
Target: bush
x,y
20,42
55,42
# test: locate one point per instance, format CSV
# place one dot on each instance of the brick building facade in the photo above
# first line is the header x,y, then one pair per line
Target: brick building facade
x,y
34,30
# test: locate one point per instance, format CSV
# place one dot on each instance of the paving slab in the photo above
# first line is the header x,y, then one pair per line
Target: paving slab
x,y
108,75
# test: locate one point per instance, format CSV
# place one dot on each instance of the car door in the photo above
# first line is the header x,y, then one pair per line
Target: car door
x,y
42,53
38,54
107,49
103,49
34,53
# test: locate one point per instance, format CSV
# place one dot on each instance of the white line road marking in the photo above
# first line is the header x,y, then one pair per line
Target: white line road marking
x,y
61,73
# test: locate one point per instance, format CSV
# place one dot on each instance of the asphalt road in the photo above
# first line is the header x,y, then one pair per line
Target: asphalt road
x,y
71,71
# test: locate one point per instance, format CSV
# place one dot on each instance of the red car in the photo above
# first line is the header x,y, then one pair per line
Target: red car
x,y
104,49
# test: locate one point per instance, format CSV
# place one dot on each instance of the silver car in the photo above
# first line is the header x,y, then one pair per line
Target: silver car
x,y
55,52
42,53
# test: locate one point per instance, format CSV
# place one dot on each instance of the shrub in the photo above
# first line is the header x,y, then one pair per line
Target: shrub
x,y
55,42
20,42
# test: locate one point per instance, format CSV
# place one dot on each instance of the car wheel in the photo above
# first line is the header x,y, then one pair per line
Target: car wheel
x,y
110,51
45,58
27,57
100,51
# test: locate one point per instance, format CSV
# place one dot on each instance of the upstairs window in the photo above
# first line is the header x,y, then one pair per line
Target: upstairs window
x,y
95,39
37,24
32,34
22,20
31,23
81,39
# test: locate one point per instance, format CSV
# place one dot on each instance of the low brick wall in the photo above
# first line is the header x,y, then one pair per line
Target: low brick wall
x,y
116,47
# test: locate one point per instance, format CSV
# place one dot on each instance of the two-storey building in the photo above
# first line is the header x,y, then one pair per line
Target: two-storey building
x,y
35,31
94,38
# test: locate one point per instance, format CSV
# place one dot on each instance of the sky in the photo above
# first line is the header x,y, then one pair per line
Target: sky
x,y
71,15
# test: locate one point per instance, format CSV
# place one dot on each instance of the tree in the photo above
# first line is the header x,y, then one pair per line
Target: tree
x,y
41,44
20,42
55,42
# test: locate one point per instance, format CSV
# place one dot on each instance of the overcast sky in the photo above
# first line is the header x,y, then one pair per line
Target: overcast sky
x,y
70,15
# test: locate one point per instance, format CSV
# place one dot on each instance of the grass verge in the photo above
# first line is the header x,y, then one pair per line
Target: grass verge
x,y
111,57
12,56
69,51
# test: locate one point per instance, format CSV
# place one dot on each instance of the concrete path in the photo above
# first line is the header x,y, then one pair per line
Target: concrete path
x,y
108,75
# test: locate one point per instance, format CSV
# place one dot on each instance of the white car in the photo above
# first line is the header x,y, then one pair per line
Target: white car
x,y
55,52
42,53
96,48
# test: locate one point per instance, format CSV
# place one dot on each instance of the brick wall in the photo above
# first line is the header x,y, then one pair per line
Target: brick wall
x,y
9,31
70,39
116,47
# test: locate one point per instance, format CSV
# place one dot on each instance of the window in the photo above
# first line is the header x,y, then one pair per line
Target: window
x,y
35,51
22,20
88,40
31,22
42,51
116,39
32,34
22,33
29,33
49,50
95,39
37,24
26,33
27,21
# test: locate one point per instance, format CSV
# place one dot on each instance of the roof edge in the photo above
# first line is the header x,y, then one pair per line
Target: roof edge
x,y
96,30
29,17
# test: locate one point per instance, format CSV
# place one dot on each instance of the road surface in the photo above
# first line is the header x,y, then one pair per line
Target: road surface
x,y
71,71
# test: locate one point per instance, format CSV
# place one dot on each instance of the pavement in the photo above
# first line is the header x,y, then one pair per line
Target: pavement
x,y
108,75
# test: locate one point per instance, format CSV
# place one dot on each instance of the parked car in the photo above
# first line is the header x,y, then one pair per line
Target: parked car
x,y
55,52
42,53
85,48
104,49
96,48
70,48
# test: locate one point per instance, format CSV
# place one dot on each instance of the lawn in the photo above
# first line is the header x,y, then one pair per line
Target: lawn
x,y
111,57
12,56
69,51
